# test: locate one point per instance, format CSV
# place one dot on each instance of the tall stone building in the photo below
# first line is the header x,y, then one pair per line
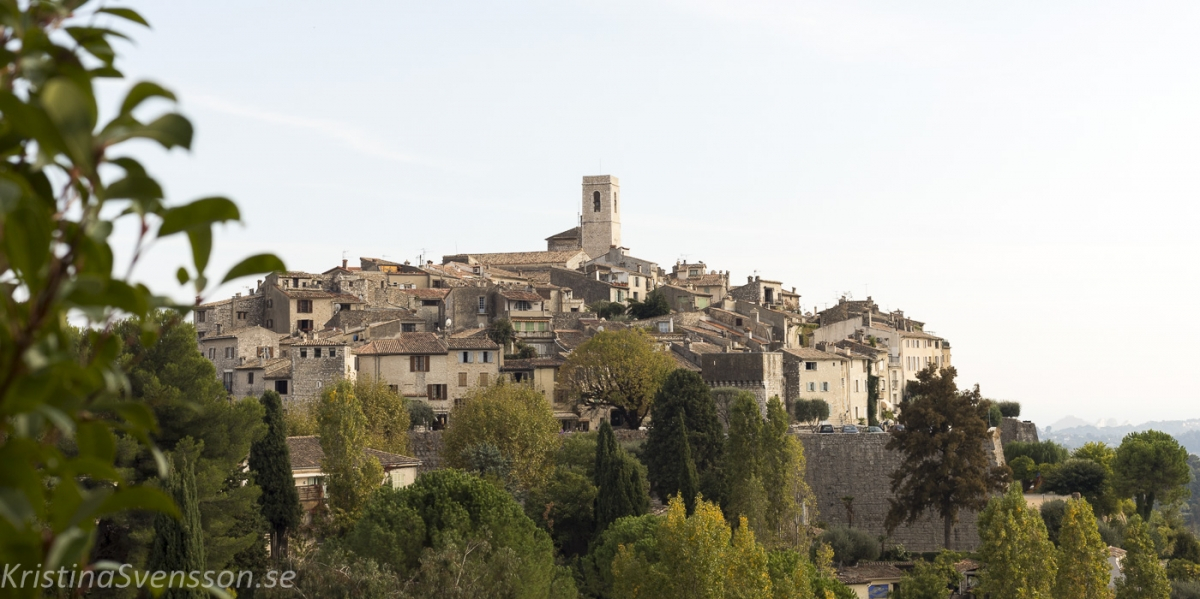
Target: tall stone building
x,y
601,226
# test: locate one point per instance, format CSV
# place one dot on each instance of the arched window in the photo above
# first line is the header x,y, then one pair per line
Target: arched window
x,y
615,208
595,201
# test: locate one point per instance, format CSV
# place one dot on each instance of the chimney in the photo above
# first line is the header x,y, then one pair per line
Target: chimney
x,y
671,325
343,263
749,280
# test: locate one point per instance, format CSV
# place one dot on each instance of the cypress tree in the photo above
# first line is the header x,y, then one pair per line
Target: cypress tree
x,y
1082,555
686,479
179,544
272,467
686,396
621,488
1144,577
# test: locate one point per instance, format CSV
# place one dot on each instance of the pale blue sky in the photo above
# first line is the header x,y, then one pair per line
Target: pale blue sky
x,y
1023,177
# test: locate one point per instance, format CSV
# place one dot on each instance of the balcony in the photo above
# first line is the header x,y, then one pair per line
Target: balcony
x,y
311,493
539,314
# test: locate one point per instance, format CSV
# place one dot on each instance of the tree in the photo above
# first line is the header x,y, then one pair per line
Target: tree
x,y
607,310
1052,513
944,468
655,305
452,522
1086,477
620,483
618,369
565,506
678,477
351,474
179,544
783,470
811,410
744,463
636,533
1024,470
1043,452
929,580
272,467
420,414
501,331
67,180
850,545
791,575
684,395
387,415
1082,556
1020,558
1150,466
516,419
1009,409
1143,577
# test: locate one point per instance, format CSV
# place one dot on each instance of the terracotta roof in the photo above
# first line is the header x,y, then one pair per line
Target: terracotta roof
x,y
572,233
427,294
702,280
968,565
570,339
540,277
521,296
404,343
686,290
514,258
280,368
468,333
808,353
684,363
305,293
918,335
259,363
471,343
868,573
306,454
317,343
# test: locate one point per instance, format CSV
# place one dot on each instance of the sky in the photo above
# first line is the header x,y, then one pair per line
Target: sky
x,y
1021,177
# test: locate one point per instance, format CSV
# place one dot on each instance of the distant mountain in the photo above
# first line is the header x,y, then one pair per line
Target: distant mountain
x,y
1074,432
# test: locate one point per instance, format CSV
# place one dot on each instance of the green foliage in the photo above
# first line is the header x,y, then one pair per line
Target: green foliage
x,y
607,310
271,464
1041,452
850,545
420,414
449,525
331,572
515,419
1082,557
351,475
618,369
1086,477
1052,513
944,468
57,213
684,401
1024,470
486,461
501,331
655,305
1021,561
386,413
1009,409
179,544
1144,577
565,507
621,482
810,410
791,575
872,397
1150,466
633,532
1185,589
930,580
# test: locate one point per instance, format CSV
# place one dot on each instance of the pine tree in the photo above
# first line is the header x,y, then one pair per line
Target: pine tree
x,y
1082,556
1144,577
621,490
1018,553
271,464
682,478
179,544
684,394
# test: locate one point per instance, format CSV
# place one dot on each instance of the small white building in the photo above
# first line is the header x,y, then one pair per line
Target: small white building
x,y
306,456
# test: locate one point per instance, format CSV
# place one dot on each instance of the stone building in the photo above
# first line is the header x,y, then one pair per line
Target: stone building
x,y
316,364
813,374
230,350
221,317
761,373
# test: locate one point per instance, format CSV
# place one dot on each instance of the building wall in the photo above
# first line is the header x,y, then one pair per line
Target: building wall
x,y
831,372
310,374
444,369
242,387
584,287
759,373
238,312
601,230
470,372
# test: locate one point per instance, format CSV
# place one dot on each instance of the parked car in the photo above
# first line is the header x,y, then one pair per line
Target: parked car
x,y
874,429
850,429
826,428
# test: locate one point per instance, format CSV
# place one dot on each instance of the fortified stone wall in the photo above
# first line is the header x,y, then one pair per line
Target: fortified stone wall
x,y
1012,429
859,466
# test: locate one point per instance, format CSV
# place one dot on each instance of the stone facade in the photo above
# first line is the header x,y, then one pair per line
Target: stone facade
x,y
1012,430
601,208
761,373
316,364
229,351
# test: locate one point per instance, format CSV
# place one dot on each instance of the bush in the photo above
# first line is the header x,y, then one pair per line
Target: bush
x,y
811,410
850,545
1052,515
1009,409
1111,532
1185,589
607,310
419,413
1044,452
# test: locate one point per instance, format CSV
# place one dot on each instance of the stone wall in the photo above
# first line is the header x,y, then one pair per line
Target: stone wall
x,y
1012,429
427,447
859,466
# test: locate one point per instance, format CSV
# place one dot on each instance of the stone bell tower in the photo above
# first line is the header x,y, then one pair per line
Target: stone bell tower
x,y
600,228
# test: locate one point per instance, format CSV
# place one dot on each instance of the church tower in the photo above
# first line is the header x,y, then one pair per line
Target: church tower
x,y
600,228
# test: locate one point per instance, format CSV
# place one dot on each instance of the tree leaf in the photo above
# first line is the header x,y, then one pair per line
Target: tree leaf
x,y
73,113
138,498
201,240
142,91
200,213
253,265
170,130
125,13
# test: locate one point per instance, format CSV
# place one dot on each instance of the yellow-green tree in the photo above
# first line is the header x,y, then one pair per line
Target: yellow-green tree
x,y
1082,555
1020,558
516,420
387,415
618,369
351,474
1143,577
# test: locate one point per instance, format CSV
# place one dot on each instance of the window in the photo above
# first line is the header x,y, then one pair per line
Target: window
x,y
200,315
637,282
304,306
485,357
333,352
228,381
249,378
482,304
270,323
595,201
635,296
418,363
429,302
408,327
241,316
693,272
270,303
522,305
737,322
316,352
465,357
295,282
228,353
303,352
810,365
435,391
212,353
462,379
483,379
664,327
856,388
304,325
281,387
812,386
824,386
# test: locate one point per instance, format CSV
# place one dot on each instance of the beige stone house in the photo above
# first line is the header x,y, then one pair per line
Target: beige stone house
x,y
230,350
813,374
306,455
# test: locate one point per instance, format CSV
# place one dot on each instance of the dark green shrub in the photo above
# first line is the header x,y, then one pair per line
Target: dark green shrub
x,y
851,545
1009,409
1043,452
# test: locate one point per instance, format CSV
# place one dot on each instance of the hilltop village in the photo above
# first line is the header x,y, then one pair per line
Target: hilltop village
x,y
423,328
